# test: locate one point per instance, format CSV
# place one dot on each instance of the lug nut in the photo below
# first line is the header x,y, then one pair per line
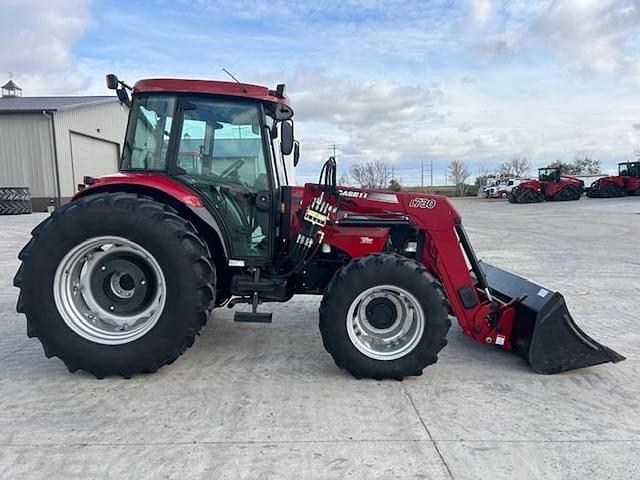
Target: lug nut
x,y
112,308
143,282
103,268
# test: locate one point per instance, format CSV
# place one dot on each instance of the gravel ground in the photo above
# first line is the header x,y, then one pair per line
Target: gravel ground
x,y
265,401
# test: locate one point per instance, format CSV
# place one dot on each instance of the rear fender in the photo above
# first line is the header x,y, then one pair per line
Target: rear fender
x,y
166,190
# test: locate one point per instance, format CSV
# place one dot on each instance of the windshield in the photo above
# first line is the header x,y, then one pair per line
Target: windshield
x,y
283,164
548,175
629,169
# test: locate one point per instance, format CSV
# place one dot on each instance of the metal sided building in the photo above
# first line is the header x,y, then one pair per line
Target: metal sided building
x,y
50,143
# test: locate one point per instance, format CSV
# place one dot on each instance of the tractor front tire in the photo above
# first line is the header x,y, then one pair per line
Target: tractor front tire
x,y
384,316
115,283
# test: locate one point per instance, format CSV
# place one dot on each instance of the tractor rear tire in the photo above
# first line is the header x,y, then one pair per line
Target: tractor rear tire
x,y
103,322
15,201
368,305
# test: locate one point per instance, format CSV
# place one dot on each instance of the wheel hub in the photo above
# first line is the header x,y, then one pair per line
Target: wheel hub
x,y
109,290
385,322
121,284
381,313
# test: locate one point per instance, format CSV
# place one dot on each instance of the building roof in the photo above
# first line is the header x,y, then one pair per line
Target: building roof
x,y
10,85
50,104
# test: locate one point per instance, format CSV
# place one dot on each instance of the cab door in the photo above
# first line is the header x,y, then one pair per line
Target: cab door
x,y
220,153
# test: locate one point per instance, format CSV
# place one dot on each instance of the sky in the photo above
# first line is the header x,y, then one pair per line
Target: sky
x,y
399,81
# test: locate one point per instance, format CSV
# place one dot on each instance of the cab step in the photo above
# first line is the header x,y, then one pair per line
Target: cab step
x,y
253,317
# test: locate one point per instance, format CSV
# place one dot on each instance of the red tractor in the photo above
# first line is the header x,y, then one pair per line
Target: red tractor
x,y
205,213
550,185
627,182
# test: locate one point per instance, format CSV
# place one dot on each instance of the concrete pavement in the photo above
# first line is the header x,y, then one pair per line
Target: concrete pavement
x,y
265,401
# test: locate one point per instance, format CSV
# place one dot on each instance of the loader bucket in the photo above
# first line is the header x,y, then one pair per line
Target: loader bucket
x,y
543,331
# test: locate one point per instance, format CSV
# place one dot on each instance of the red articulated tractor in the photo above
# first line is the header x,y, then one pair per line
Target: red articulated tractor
x,y
627,182
205,213
550,185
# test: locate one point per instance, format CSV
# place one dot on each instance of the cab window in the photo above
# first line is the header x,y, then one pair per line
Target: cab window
x,y
147,139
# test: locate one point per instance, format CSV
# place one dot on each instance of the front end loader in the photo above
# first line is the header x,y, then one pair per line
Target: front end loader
x,y
205,213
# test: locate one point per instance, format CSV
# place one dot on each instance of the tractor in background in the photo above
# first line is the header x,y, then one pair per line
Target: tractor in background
x,y
627,182
550,185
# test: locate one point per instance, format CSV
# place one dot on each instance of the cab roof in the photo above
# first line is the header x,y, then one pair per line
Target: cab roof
x,y
210,87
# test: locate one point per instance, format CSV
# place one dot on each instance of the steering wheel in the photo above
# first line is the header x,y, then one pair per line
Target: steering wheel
x,y
232,169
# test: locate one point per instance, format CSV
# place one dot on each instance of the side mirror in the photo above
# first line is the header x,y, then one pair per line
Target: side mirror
x,y
123,96
296,153
112,81
286,141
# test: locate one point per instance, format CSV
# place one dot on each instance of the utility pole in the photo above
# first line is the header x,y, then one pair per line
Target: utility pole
x,y
333,147
431,172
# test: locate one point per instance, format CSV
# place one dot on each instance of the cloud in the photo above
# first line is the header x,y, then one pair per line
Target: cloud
x,y
349,103
600,36
465,127
37,37
480,12
636,126
594,32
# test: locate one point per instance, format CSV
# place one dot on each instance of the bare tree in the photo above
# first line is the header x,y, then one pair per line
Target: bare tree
x,y
578,166
344,180
516,167
459,174
371,175
586,166
483,176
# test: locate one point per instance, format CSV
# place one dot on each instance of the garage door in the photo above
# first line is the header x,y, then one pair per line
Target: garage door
x,y
93,157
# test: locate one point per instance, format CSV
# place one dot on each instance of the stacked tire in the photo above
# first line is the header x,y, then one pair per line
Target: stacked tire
x,y
15,201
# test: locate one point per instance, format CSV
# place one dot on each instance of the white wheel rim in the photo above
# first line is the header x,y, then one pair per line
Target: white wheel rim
x,y
109,290
391,341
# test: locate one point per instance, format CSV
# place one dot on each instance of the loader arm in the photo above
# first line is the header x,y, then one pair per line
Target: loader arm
x,y
491,305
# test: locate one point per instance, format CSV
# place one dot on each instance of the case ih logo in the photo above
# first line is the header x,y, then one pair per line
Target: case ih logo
x,y
351,193
422,203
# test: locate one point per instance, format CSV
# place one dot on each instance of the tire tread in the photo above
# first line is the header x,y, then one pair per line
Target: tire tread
x,y
197,251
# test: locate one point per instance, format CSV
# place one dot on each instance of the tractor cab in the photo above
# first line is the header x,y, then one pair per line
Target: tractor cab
x,y
549,174
231,143
629,169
